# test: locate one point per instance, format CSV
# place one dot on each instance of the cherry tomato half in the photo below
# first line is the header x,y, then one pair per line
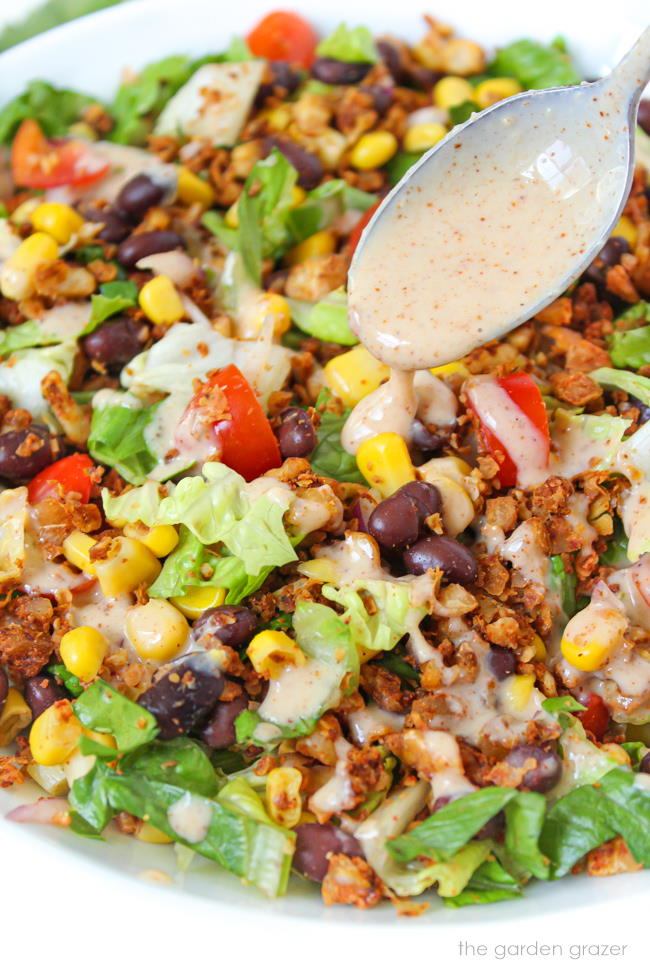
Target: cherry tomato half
x,y
596,718
284,36
359,228
524,393
68,475
41,163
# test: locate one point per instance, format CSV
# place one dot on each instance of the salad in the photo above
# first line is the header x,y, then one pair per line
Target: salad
x,y
420,666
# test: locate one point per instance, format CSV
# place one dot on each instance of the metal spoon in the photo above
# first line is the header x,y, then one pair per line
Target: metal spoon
x,y
496,220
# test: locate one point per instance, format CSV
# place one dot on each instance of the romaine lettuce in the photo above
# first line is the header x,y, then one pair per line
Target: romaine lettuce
x,y
535,65
326,319
394,615
352,44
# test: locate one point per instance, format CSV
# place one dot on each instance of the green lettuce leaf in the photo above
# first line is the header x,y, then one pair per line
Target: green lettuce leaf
x,y
631,349
117,439
25,336
181,762
142,98
48,15
55,109
394,616
535,65
114,297
490,883
564,583
88,800
324,205
616,552
326,319
329,459
524,821
352,44
397,167
215,508
104,709
629,382
565,703
460,113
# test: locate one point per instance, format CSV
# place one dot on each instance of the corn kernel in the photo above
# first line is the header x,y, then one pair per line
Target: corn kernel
x,y
451,91
354,374
269,307
198,599
193,189
82,651
457,507
283,799
373,150
52,779
419,138
19,270
58,220
539,647
278,118
626,229
385,463
23,212
591,636
76,548
161,539
157,630
272,650
160,301
450,369
148,833
231,218
83,130
318,245
516,691
55,734
453,467
15,716
298,196
616,753
494,90
129,563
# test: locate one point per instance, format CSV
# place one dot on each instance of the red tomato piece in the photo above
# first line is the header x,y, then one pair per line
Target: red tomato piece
x,y
68,475
41,163
355,236
248,444
525,394
596,718
284,36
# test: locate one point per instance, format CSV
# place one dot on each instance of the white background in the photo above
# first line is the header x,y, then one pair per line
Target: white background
x,y
60,917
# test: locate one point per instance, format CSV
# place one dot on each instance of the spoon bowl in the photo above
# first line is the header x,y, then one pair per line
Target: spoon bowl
x,y
497,219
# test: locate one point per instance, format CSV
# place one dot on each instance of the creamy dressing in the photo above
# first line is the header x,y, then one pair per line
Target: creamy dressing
x,y
490,229
372,722
300,692
65,322
337,793
190,817
524,553
92,608
521,439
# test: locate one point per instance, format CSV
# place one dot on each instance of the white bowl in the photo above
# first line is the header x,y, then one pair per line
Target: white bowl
x,y
89,54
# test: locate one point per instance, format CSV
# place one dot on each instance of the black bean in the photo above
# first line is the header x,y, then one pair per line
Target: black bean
x,y
137,246
643,117
502,662
643,408
115,227
382,96
219,732
606,258
4,687
425,441
425,496
547,771
230,626
284,77
40,693
24,453
114,343
442,552
183,696
392,58
296,434
313,843
395,522
139,195
644,764
335,72
310,168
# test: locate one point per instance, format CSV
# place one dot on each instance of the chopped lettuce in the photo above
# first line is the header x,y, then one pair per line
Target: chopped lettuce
x,y
22,373
48,15
399,165
616,552
461,113
583,762
564,583
324,205
117,439
586,441
490,883
629,382
28,335
631,349
55,109
352,44
104,709
393,614
535,65
184,566
114,297
181,762
300,695
215,507
329,458
146,95
326,319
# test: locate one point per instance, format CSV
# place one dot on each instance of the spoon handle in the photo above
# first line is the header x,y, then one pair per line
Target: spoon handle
x,y
632,73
